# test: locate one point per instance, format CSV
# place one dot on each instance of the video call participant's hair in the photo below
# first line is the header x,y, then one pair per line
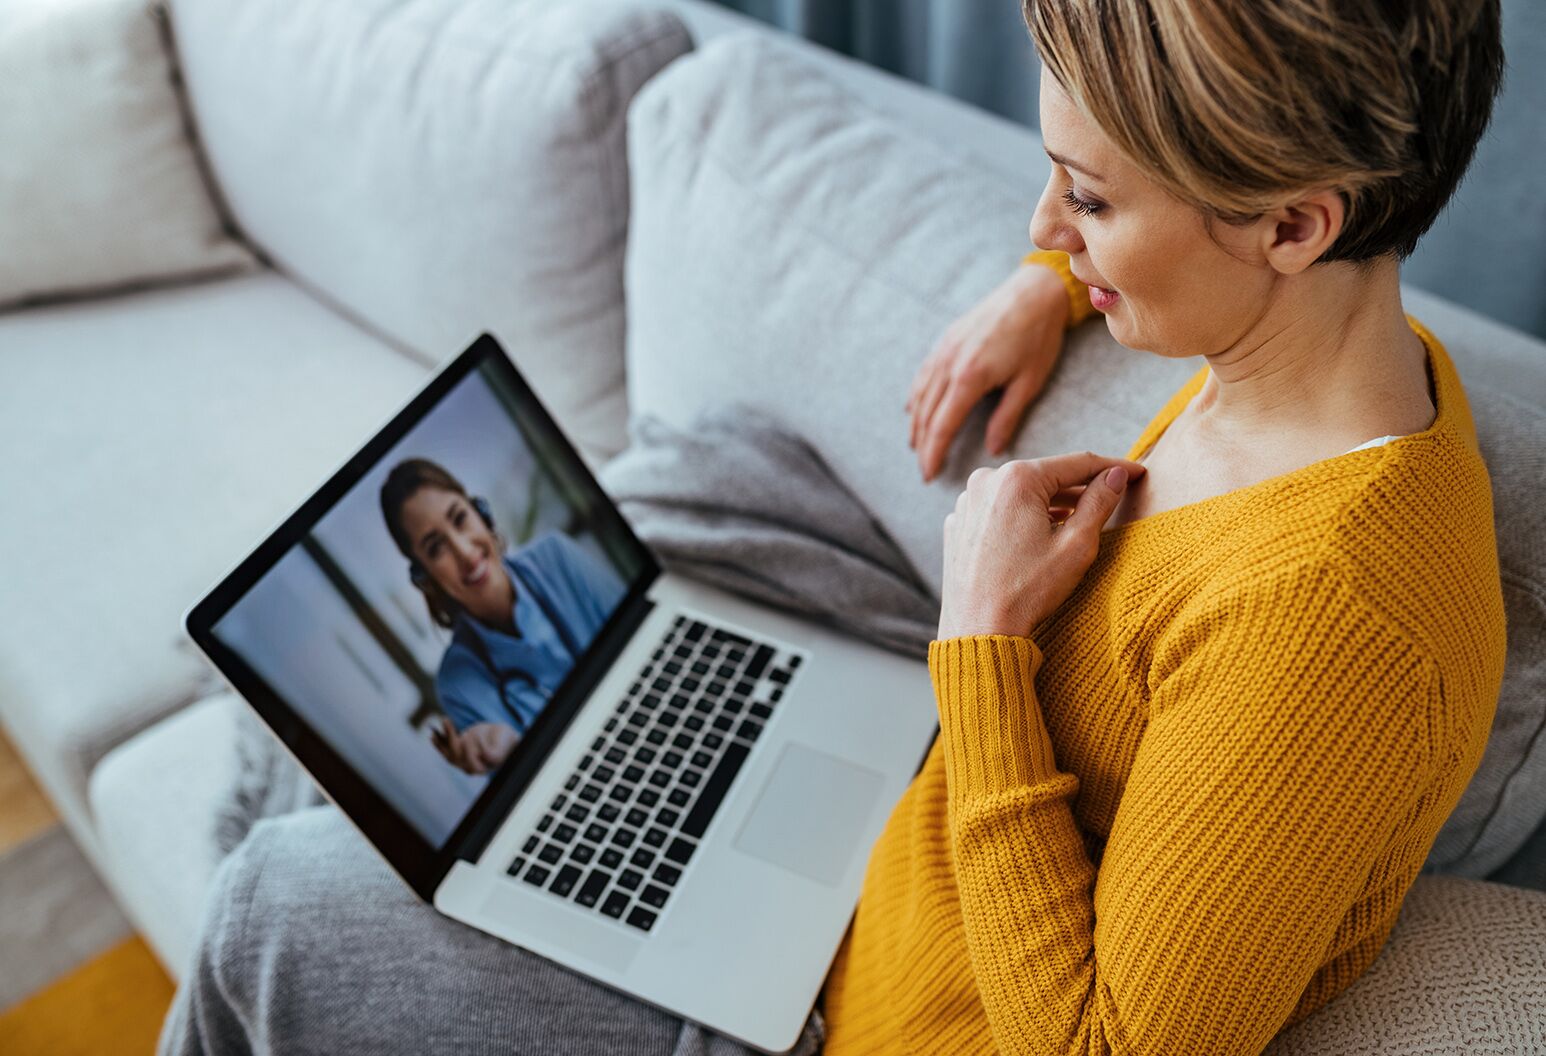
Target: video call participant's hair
x,y
405,481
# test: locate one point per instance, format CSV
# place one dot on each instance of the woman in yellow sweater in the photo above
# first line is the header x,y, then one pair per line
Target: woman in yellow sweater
x,y
1199,732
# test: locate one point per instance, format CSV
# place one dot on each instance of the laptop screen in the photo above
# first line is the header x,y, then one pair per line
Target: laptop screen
x,y
427,607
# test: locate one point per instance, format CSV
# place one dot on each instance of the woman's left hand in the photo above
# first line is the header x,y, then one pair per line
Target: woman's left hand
x,y
1011,556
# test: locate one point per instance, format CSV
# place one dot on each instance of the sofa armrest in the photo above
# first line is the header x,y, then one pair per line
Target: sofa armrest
x,y
1464,972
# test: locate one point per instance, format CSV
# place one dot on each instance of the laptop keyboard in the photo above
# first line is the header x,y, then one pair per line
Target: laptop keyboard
x,y
621,835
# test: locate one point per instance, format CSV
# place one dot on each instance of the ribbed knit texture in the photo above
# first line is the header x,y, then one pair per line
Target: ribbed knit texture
x,y
1183,813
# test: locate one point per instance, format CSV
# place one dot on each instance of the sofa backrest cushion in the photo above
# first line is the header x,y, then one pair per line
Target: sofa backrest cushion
x,y
797,250
100,185
437,168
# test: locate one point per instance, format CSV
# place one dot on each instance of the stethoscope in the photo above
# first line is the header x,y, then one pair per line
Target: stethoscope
x,y
501,679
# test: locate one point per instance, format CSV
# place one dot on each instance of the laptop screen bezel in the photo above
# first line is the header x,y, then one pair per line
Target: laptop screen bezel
x,y
421,864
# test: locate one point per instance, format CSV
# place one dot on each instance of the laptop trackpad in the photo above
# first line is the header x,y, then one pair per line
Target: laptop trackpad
x,y
811,813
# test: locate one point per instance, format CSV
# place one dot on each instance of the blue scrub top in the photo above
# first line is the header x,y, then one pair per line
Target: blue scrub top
x,y
577,589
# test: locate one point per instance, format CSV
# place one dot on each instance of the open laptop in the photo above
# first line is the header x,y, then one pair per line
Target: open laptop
x,y
660,785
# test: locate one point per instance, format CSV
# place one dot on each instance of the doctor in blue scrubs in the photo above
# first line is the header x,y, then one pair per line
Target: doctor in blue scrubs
x,y
518,620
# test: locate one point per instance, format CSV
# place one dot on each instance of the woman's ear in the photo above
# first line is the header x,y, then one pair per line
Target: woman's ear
x,y
1298,234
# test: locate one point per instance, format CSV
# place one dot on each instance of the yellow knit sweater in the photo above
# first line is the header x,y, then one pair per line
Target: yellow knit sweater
x,y
1184,812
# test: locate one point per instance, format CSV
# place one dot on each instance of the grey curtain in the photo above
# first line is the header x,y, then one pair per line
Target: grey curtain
x,y
1488,250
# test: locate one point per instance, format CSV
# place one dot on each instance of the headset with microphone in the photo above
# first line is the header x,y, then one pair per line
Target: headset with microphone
x,y
419,576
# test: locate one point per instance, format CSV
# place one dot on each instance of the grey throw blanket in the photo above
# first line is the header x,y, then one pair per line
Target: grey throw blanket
x,y
735,502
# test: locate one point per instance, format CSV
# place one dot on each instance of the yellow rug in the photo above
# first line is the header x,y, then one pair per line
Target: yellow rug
x,y
112,1004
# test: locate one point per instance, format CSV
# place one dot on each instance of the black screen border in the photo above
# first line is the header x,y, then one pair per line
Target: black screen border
x,y
422,865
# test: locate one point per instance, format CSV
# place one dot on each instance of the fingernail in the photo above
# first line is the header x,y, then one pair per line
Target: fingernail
x,y
1116,478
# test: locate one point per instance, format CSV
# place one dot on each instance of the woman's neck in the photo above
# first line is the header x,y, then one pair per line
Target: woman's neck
x,y
1331,357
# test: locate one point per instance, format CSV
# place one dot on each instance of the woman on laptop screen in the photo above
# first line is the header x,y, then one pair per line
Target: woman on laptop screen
x,y
518,620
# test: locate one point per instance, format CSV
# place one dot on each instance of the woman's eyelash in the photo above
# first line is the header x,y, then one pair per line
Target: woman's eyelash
x,y
1079,205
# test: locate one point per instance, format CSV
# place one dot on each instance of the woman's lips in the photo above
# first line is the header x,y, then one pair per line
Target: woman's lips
x,y
476,576
1102,298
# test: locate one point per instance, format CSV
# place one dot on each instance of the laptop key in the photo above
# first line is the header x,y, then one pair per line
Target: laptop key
x,y
590,793
643,858
603,774
761,711
564,882
712,741
584,764
648,797
692,722
564,833
680,851
656,736
596,833
536,875
749,730
630,879
667,817
666,874
546,823
645,755
614,905
671,759
660,778
681,741
627,737
615,755
678,797
701,759
576,812
634,774
583,853
573,782
759,661
621,793
691,777
714,790
530,845
611,858
654,896
779,675
722,722
516,867
550,853
609,812
654,837
590,892
637,818
641,918
624,838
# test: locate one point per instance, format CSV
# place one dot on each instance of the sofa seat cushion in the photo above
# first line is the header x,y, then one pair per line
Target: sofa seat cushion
x,y
155,799
151,441
448,167
835,244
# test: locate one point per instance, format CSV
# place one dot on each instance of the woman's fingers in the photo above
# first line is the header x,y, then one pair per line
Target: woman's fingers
x,y
1077,469
952,410
1017,396
923,415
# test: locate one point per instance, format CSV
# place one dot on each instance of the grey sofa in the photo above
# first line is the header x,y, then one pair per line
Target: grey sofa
x,y
651,229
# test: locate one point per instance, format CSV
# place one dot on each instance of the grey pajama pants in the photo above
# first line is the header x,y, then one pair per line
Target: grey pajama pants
x,y
310,944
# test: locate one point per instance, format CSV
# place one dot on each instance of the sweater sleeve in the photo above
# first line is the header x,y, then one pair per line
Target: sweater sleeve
x,y
1275,768
1079,306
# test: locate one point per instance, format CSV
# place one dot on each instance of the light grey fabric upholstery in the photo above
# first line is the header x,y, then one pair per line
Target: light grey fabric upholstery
x,y
152,440
850,243
439,168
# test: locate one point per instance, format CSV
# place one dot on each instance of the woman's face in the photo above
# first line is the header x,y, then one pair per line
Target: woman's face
x,y
456,548
1163,284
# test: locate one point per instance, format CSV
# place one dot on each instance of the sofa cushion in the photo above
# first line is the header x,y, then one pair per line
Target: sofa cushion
x,y
440,168
835,244
155,799
99,183
152,440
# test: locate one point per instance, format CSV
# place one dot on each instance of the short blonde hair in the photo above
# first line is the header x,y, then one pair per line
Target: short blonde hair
x,y
1239,106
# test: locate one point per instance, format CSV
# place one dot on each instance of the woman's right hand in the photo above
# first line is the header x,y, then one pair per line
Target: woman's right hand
x,y
479,748
1011,339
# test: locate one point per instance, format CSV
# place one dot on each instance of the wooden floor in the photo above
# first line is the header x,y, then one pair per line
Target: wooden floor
x,y
115,1002
24,811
